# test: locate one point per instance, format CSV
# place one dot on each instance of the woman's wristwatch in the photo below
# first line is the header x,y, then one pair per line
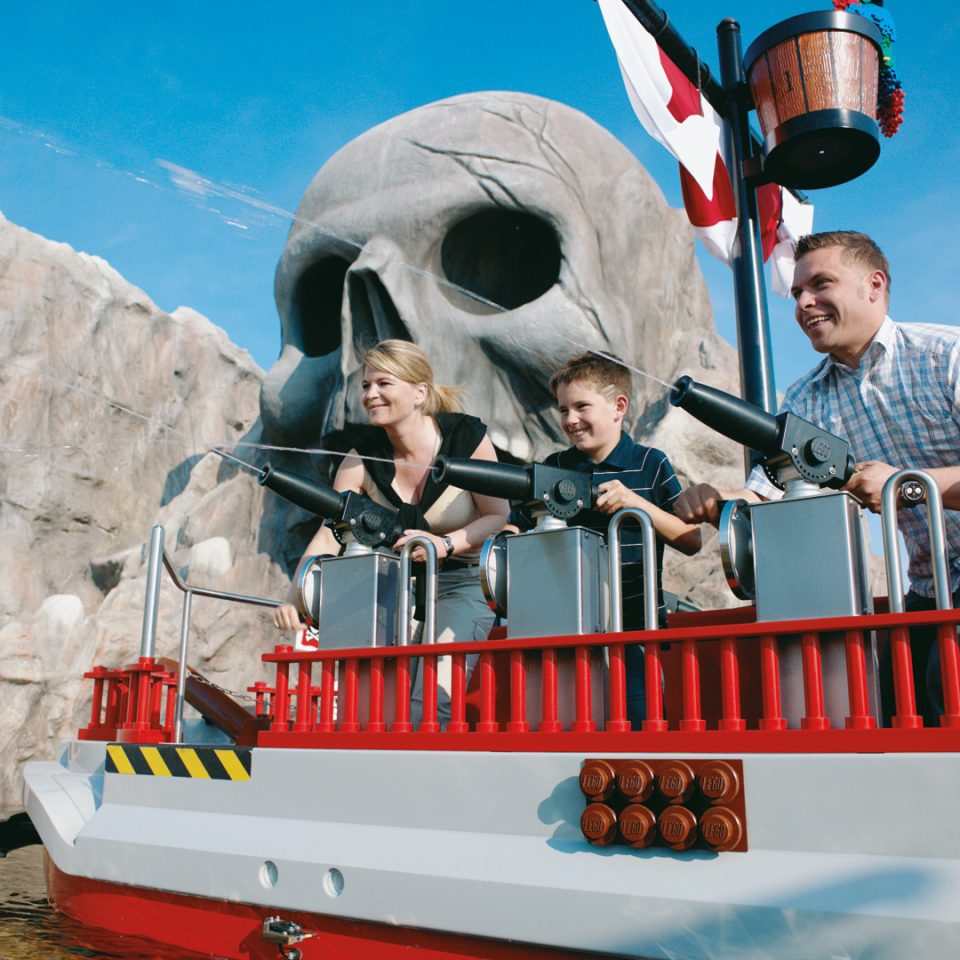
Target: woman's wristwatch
x,y
448,543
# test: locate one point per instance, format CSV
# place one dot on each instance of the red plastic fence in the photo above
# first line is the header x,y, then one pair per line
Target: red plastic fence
x,y
702,680
134,703
717,681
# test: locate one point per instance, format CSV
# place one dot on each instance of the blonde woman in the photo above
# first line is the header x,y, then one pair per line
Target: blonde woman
x,y
417,420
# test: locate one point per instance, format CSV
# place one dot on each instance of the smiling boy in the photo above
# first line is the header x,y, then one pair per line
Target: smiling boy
x,y
593,396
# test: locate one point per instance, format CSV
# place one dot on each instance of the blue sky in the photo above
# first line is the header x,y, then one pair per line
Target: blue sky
x,y
94,95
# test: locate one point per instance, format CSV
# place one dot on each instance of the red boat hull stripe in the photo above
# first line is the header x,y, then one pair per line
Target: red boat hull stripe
x,y
233,930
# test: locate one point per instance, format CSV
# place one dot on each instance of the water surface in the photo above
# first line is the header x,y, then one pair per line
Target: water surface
x,y
30,929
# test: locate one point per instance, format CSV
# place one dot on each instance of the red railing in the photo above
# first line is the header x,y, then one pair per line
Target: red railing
x,y
728,684
135,703
725,686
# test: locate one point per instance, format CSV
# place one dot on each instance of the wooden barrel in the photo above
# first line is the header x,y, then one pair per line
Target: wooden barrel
x,y
813,79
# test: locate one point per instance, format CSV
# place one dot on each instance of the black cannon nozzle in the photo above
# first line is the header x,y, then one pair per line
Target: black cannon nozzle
x,y
318,498
727,414
563,493
485,477
787,446
370,524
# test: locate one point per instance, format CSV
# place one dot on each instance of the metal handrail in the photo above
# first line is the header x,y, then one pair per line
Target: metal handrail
x,y
430,603
650,592
938,538
148,634
217,594
158,558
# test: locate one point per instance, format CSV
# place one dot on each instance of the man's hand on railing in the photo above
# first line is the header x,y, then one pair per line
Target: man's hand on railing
x,y
287,617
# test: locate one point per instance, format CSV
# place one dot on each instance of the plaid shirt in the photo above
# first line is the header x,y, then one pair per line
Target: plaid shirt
x,y
901,406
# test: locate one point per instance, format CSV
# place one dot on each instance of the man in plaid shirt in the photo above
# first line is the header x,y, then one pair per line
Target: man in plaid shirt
x,y
893,392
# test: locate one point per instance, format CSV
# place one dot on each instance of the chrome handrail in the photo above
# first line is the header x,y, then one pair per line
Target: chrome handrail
x,y
650,591
159,559
430,603
938,538
148,634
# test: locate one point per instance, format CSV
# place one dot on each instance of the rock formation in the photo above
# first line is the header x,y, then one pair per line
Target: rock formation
x,y
109,406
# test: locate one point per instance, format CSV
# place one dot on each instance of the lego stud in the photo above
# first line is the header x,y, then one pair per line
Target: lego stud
x,y
597,779
676,781
678,828
638,826
718,781
635,780
599,824
721,829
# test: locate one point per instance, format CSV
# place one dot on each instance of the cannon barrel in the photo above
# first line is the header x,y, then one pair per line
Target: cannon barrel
x,y
485,477
727,414
316,497
370,523
563,493
785,445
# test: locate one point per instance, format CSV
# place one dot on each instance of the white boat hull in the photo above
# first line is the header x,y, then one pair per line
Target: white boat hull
x,y
850,855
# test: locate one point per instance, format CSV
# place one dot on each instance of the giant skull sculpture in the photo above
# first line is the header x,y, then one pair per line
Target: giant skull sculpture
x,y
522,201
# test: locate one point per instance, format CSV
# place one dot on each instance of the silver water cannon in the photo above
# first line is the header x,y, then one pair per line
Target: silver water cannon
x,y
549,581
802,556
353,599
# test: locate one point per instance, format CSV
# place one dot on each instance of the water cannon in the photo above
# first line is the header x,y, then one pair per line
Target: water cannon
x,y
804,555
352,600
551,580
786,446
368,523
564,494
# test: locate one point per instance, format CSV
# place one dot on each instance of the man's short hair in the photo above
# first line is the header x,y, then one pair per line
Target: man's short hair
x,y
609,376
857,247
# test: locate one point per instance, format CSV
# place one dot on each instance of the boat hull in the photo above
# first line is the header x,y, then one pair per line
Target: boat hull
x,y
232,931
472,854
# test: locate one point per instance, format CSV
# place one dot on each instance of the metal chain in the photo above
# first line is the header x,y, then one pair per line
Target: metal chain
x,y
236,694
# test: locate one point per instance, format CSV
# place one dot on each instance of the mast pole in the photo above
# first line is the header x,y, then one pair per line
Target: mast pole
x,y
730,98
750,294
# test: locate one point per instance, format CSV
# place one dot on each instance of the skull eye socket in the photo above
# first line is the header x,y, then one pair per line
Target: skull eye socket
x,y
317,303
508,257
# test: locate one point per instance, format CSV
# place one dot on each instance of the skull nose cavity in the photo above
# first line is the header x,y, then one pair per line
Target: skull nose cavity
x,y
316,307
373,313
505,256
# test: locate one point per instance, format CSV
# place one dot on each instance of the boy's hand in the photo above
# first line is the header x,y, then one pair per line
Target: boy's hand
x,y
615,496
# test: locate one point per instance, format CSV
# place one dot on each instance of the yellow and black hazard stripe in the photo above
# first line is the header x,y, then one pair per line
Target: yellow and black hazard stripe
x,y
171,760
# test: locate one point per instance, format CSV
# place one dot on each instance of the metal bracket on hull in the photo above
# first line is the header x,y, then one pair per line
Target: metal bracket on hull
x,y
285,933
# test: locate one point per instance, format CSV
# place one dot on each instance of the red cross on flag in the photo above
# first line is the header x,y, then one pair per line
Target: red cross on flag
x,y
675,112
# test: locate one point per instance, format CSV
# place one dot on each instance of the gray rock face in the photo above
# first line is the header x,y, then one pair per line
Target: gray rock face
x,y
108,406
502,232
